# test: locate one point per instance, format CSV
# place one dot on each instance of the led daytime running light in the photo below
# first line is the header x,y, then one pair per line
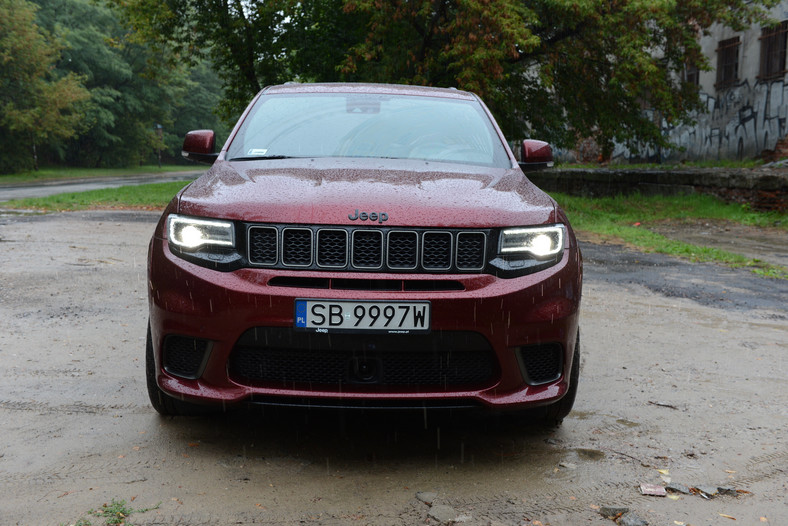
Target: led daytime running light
x,y
191,232
538,241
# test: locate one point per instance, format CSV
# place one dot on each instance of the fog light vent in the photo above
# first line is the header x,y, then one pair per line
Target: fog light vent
x,y
184,357
541,364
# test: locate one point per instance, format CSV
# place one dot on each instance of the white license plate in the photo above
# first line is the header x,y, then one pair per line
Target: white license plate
x,y
395,317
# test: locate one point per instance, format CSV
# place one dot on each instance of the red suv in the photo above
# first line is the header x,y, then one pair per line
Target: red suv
x,y
359,245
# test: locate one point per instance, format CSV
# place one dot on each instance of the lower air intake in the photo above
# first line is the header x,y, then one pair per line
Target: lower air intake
x,y
541,364
184,356
438,361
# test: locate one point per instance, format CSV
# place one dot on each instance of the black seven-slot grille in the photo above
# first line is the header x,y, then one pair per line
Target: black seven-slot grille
x,y
367,249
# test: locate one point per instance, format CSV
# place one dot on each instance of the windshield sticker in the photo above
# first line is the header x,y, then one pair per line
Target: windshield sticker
x,y
257,151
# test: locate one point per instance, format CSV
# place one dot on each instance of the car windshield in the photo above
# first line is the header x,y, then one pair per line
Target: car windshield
x,y
369,125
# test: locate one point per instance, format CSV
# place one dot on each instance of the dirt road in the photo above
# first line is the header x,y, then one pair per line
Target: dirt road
x,y
684,377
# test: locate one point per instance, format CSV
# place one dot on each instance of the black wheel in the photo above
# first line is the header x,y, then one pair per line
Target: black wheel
x,y
555,413
161,402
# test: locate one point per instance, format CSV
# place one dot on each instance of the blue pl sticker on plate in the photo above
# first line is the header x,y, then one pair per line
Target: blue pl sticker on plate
x,y
300,313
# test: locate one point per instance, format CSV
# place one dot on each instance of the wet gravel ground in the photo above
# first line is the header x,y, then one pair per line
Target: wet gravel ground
x,y
706,284
684,379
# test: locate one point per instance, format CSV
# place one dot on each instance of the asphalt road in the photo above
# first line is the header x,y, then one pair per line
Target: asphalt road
x,y
47,188
684,378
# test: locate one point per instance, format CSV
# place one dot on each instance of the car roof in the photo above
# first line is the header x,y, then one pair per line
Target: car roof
x,y
382,89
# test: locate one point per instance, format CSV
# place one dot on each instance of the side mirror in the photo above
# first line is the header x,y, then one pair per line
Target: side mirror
x,y
535,155
199,145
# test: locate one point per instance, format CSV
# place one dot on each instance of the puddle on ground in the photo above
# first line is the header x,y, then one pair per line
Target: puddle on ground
x,y
590,454
581,415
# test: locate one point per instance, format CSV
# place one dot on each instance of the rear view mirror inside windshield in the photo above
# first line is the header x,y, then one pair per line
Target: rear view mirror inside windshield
x,y
363,105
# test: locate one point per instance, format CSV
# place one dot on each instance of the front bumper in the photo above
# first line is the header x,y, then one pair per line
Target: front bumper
x,y
234,338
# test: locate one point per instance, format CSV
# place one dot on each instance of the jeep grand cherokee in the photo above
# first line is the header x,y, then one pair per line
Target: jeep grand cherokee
x,y
358,245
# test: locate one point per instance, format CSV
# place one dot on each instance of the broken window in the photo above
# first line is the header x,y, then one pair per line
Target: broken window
x,y
691,74
773,40
728,63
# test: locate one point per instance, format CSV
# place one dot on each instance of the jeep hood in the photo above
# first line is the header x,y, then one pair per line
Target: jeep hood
x,y
332,191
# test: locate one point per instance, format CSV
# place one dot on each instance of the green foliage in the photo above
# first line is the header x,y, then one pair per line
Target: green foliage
x,y
198,108
318,38
465,43
557,69
114,512
134,86
600,64
117,512
245,41
131,89
37,104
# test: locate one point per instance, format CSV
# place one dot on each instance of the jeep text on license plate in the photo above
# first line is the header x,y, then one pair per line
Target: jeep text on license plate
x,y
362,316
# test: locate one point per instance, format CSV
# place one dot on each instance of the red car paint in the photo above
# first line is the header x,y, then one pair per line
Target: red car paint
x,y
510,313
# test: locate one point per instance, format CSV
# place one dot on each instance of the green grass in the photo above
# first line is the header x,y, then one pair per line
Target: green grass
x,y
64,174
147,196
628,210
627,218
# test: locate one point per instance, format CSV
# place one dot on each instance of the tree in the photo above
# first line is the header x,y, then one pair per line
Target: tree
x,y
131,87
199,107
243,40
36,104
557,69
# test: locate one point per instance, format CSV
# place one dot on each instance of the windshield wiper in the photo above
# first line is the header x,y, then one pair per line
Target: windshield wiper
x,y
262,157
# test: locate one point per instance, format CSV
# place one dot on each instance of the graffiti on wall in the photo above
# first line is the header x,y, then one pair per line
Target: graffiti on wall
x,y
740,123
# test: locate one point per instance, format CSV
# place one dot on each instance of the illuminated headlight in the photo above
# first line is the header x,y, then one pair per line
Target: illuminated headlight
x,y
192,232
541,242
